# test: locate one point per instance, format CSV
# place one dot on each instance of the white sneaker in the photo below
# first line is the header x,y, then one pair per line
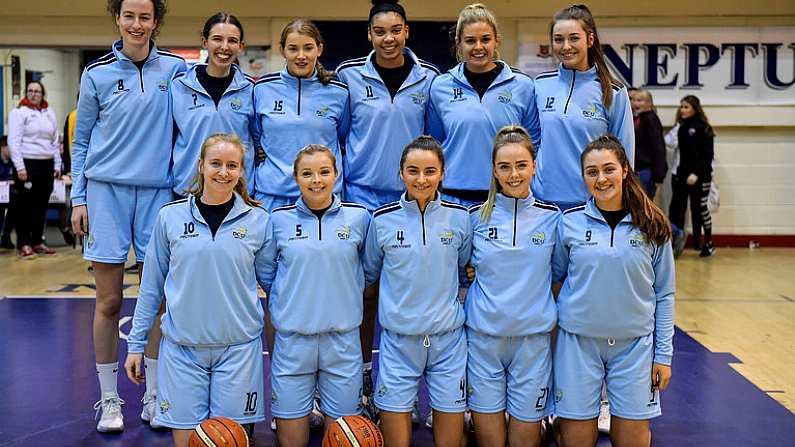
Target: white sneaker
x,y
316,418
273,424
149,410
109,413
415,414
603,423
429,420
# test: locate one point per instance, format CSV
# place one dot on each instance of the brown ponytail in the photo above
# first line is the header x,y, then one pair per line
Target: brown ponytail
x,y
583,15
645,214
308,28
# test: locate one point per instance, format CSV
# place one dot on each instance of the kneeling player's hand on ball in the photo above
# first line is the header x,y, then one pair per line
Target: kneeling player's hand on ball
x,y
660,376
134,367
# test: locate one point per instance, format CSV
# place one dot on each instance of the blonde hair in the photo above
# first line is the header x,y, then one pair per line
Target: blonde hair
x,y
197,184
474,13
512,134
647,94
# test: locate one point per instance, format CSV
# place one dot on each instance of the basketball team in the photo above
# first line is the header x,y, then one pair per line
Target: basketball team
x,y
491,222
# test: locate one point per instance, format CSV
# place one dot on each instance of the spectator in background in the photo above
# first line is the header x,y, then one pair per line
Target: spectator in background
x,y
36,154
693,175
6,210
650,162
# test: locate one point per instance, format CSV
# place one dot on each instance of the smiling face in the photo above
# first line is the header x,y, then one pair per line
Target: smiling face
x,y
136,22
477,46
315,175
223,45
221,169
640,102
570,43
422,173
301,53
388,33
514,168
604,177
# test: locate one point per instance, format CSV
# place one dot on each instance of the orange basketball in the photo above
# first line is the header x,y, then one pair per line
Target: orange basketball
x,y
353,431
219,431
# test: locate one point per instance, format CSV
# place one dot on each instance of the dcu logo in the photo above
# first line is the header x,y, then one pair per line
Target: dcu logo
x,y
344,233
236,104
164,407
418,98
240,233
637,240
538,238
589,112
162,85
505,97
446,237
322,112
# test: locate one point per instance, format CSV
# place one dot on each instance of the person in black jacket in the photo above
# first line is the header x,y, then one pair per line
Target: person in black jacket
x,y
694,174
650,164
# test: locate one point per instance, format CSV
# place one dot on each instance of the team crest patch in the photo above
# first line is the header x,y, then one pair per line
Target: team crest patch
x,y
162,85
164,406
558,395
240,232
637,240
382,390
322,112
344,232
274,397
505,97
538,238
418,98
236,104
446,237
90,241
589,111
470,390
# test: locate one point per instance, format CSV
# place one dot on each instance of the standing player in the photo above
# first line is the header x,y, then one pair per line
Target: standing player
x,y
693,175
576,104
303,104
472,101
420,246
317,322
206,252
120,170
211,98
510,309
616,306
388,93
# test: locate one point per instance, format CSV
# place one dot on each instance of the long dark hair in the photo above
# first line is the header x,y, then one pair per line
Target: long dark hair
x,y
695,103
645,214
221,17
583,15
307,28
114,8
512,134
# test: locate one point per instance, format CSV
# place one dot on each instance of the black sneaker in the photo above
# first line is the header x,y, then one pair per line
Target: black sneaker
x,y
133,269
708,250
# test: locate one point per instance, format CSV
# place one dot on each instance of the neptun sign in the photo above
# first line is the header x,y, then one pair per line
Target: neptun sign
x,y
723,66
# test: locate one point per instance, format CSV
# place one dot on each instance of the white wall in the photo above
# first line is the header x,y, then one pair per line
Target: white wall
x,y
61,70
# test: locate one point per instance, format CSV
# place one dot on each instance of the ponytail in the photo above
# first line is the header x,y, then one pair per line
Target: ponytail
x,y
512,134
308,28
645,214
583,15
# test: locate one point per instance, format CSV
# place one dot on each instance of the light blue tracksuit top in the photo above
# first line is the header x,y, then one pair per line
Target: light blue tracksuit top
x,y
512,255
571,113
314,268
618,284
466,125
210,282
196,117
421,259
124,129
381,126
292,113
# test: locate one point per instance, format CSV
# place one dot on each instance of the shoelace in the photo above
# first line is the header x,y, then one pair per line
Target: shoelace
x,y
114,405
